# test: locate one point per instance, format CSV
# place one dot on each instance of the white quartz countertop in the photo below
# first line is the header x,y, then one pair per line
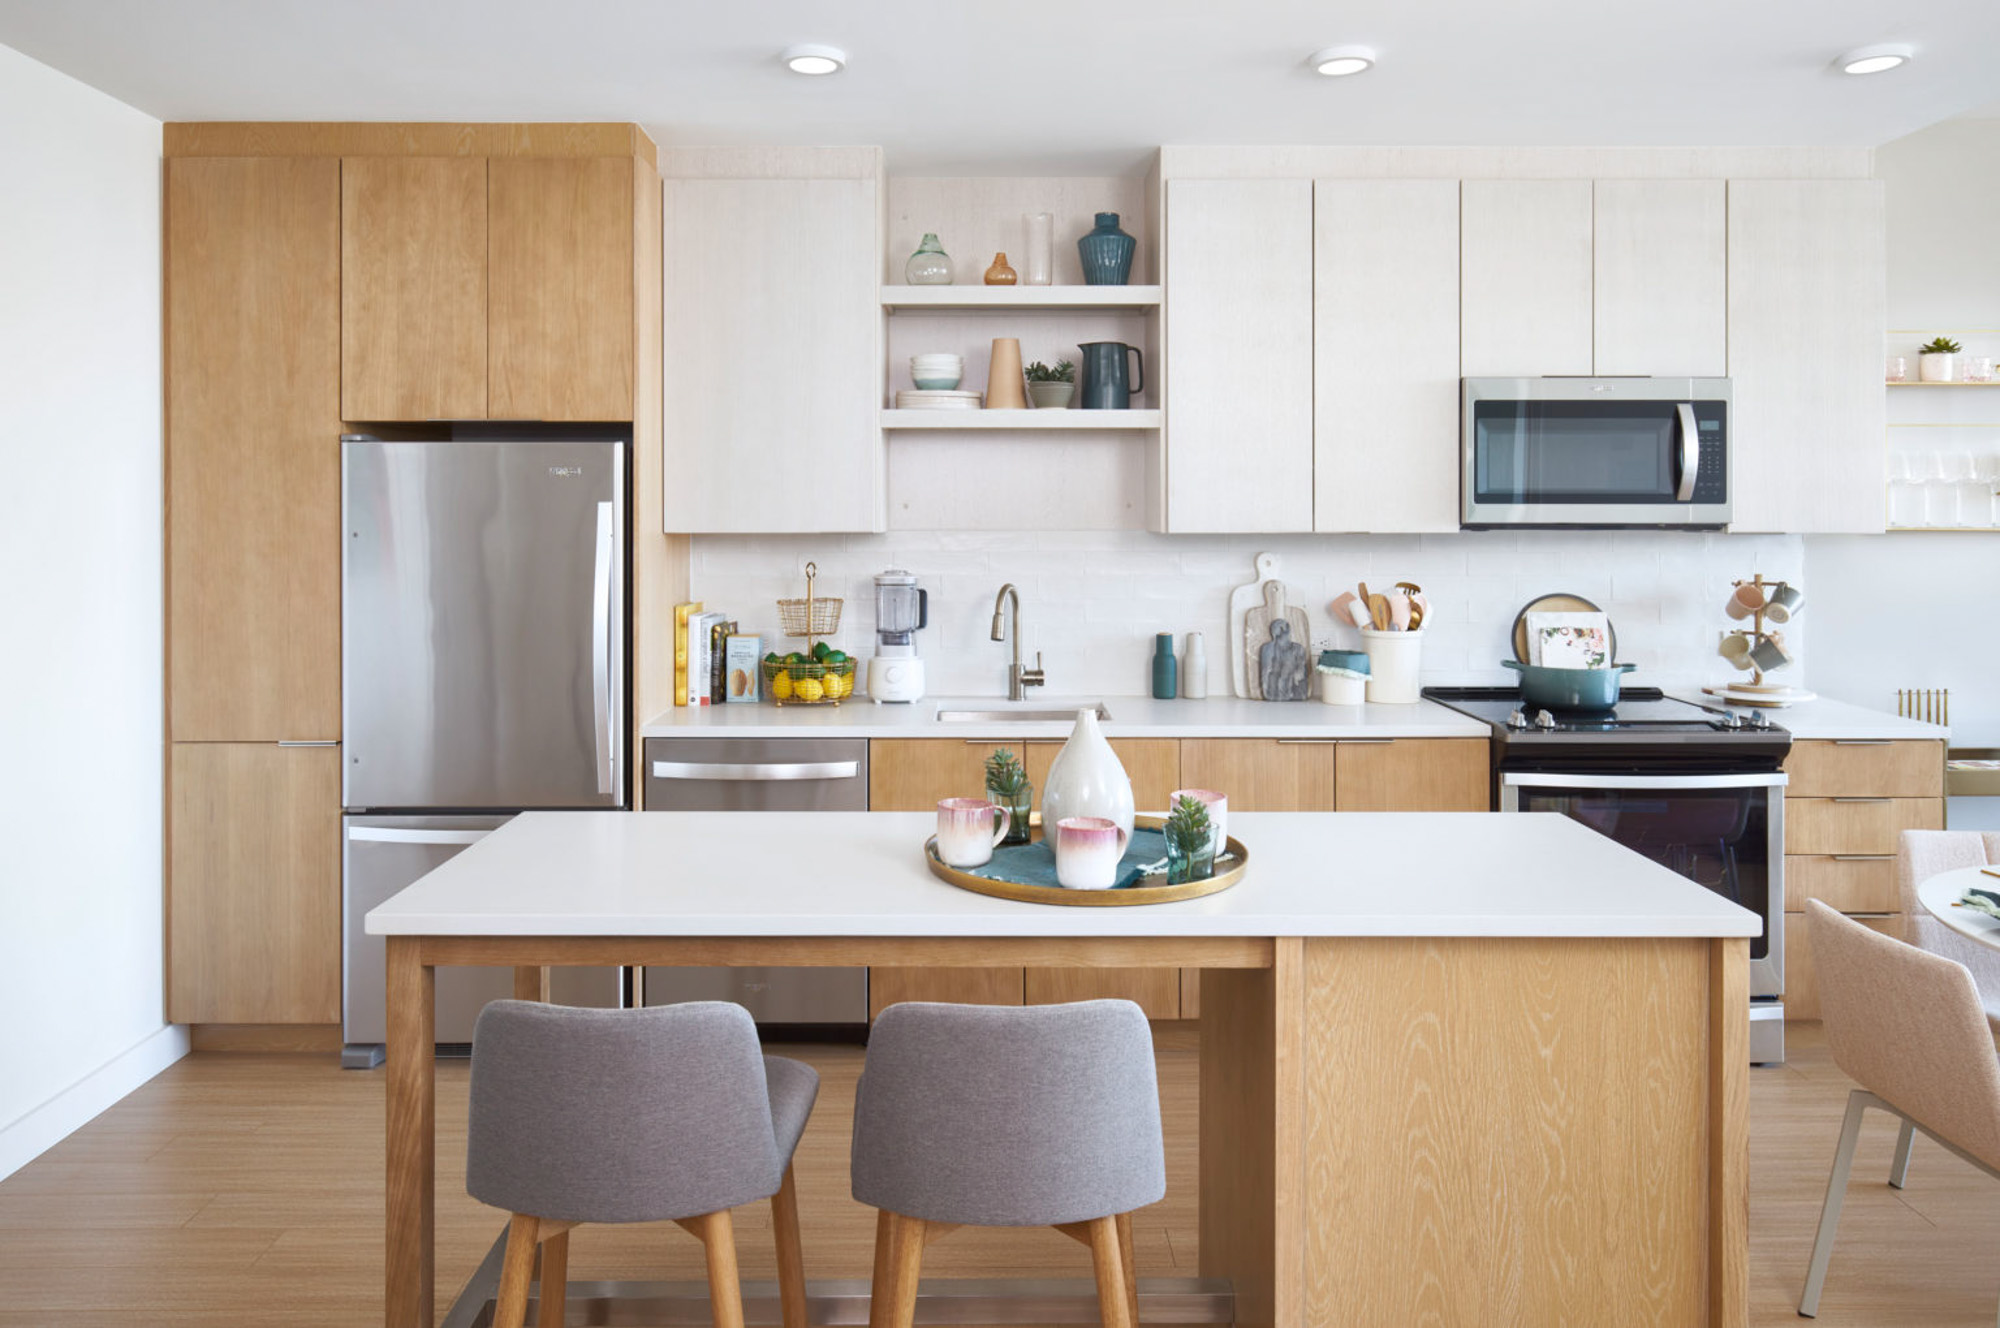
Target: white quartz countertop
x,y
1131,717
863,874
1823,719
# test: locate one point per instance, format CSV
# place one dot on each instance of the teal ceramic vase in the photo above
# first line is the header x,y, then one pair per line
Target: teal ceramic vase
x,y
1106,253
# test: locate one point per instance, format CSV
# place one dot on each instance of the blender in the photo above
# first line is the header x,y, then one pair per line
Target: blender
x,y
901,609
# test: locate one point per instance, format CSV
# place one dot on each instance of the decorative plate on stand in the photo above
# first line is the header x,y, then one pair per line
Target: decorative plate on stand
x,y
1760,694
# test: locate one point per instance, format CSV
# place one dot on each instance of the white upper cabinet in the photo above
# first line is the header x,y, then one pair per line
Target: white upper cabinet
x,y
1525,307
1807,309
773,355
1661,287
1385,349
1239,355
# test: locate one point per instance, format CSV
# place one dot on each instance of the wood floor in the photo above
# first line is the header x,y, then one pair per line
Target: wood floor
x,y
247,1190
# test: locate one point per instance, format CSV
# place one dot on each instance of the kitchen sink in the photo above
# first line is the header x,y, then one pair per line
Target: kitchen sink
x,y
1041,713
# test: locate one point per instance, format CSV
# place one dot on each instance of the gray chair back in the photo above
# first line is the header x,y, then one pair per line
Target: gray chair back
x,y
618,1115
1009,1115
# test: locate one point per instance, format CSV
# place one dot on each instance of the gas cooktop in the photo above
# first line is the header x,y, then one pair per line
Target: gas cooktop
x,y
1646,729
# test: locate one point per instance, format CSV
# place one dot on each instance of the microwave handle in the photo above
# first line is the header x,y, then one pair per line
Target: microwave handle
x,y
1690,452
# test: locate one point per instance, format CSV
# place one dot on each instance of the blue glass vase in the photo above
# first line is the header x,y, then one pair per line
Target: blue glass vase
x,y
1106,253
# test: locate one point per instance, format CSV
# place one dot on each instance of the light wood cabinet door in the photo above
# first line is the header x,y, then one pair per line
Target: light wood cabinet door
x,y
1525,278
254,884
1385,355
1412,775
1862,769
1239,358
559,265
1263,774
1807,305
912,774
1157,991
253,448
1801,976
773,365
957,986
413,288
1661,278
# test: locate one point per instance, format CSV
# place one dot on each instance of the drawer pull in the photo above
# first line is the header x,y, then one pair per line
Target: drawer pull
x,y
1312,742
1862,857
755,772
1862,742
1361,742
1863,799
1877,916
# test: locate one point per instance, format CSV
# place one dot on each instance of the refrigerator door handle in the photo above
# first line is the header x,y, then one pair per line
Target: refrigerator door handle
x,y
604,744
382,834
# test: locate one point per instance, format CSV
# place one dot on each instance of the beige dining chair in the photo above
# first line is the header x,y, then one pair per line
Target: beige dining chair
x,y
1909,1027
1922,854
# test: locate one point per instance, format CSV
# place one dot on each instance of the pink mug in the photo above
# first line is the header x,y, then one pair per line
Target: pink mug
x,y
967,832
1088,849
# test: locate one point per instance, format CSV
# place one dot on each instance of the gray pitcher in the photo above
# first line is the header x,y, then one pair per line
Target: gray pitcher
x,y
1105,386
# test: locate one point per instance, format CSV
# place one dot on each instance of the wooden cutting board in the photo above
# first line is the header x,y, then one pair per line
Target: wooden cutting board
x,y
1257,631
1241,600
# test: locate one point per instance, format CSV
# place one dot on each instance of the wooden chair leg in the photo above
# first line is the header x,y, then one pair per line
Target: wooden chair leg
x,y
553,1301
907,1270
791,1255
1130,1265
1114,1310
880,1291
725,1286
517,1270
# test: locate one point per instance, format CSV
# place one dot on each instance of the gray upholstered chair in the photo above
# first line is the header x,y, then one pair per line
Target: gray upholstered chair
x,y
978,1115
1907,1026
1922,854
669,1113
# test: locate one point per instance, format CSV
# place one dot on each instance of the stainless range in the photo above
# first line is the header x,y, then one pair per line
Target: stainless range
x,y
1696,790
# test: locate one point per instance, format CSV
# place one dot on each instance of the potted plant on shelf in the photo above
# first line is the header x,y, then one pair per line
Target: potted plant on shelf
x,y
1051,389
1934,360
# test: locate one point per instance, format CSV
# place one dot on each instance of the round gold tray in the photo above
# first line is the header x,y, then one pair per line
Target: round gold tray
x,y
1028,893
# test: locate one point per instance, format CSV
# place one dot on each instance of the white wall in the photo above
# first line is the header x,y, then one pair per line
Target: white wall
x,y
1918,610
81,727
1091,601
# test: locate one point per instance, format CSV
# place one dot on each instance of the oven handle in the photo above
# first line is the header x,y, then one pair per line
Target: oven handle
x,y
1662,782
1690,452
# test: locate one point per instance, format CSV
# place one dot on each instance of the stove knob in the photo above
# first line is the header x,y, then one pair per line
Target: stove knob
x,y
1517,720
1731,720
1759,720
1545,721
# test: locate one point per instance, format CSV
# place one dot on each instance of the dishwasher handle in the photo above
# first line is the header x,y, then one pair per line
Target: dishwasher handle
x,y
756,772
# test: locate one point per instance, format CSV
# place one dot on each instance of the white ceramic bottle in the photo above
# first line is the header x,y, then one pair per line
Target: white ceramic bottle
x,y
1086,779
1194,669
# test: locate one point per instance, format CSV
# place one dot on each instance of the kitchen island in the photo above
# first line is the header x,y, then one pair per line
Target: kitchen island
x,y
1455,1068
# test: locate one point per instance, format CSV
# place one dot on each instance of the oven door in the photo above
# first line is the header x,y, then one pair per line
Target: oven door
x,y
1596,452
1724,832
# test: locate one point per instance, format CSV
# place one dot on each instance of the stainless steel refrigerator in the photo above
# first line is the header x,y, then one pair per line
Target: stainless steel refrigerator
x,y
482,674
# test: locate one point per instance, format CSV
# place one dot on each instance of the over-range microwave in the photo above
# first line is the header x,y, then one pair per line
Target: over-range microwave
x,y
1595,452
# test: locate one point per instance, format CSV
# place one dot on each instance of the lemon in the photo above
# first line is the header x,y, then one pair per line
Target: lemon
x,y
836,686
807,689
781,687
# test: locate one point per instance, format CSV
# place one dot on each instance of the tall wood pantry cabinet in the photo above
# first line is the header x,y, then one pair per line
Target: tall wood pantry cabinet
x,y
317,277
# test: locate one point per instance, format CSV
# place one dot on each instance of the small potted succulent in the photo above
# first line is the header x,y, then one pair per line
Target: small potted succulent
x,y
1190,842
1051,389
1007,786
1935,362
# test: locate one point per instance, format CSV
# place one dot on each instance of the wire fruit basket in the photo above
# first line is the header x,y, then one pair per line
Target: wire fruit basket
x,y
811,616
819,675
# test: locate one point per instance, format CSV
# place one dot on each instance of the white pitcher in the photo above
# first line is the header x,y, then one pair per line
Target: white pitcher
x,y
1086,779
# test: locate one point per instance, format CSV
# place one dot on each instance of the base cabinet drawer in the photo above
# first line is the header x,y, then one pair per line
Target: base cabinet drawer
x,y
1852,883
1157,991
1856,825
1801,980
1853,768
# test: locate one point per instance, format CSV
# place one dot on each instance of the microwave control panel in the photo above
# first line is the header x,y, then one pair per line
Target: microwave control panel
x,y
1712,482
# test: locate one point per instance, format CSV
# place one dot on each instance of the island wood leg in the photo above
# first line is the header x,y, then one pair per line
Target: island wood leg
x,y
531,983
409,1264
1250,1135
1729,1133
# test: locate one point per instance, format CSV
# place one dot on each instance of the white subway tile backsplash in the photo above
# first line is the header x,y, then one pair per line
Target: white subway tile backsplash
x,y
1092,600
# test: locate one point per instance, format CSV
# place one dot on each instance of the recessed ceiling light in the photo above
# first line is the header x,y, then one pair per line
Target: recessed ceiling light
x,y
1875,59
1340,61
811,59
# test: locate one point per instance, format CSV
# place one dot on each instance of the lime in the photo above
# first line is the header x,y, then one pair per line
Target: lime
x,y
821,650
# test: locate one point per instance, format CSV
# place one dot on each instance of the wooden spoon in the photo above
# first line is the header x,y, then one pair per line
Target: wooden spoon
x,y
1378,609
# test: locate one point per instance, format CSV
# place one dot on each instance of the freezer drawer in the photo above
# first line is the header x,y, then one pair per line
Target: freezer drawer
x,y
771,995
756,774
380,855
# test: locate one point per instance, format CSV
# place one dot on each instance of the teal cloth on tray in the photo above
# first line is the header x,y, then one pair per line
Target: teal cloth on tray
x,y
1035,864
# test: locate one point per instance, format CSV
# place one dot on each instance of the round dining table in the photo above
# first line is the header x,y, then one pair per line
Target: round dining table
x,y
1940,896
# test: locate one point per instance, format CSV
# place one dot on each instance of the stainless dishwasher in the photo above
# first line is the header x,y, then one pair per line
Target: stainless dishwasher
x,y
757,775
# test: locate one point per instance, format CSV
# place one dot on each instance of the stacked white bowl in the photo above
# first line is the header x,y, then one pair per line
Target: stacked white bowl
x,y
937,372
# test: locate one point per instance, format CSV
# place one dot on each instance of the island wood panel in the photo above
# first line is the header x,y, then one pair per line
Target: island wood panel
x,y
253,449
413,288
1508,1131
1861,883
1412,775
560,290
254,918
310,138
1801,975
1856,825
1728,1133
1264,774
1855,769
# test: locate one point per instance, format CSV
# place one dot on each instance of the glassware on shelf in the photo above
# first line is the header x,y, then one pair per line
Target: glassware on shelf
x,y
1906,494
930,265
1039,267
1002,272
1954,501
1977,369
1896,369
1986,496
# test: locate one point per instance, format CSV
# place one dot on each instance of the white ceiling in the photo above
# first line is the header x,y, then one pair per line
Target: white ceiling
x,y
1080,86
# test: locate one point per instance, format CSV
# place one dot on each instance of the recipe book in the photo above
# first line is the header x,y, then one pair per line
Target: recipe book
x,y
1569,640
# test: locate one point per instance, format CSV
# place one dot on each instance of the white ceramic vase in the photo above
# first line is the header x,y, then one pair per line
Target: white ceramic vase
x,y
1936,368
1086,779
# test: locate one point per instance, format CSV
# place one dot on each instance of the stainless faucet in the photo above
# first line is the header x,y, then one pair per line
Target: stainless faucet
x,y
1019,680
